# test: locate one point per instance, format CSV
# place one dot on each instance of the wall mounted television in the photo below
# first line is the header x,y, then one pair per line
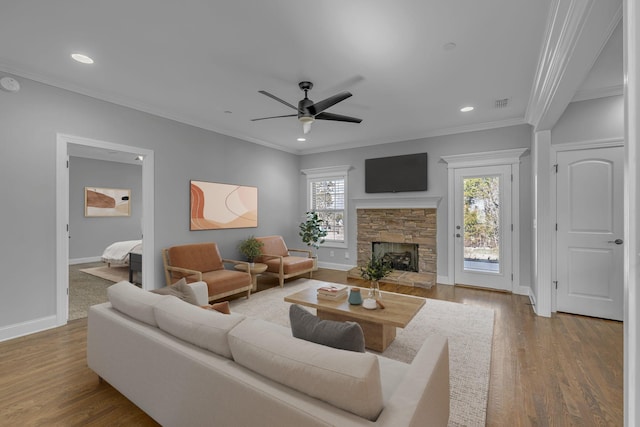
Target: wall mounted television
x,y
396,174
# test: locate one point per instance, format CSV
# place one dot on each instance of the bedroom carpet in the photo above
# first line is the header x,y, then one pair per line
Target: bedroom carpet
x,y
85,289
468,328
114,274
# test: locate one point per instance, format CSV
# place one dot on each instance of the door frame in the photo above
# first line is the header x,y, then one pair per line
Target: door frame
x,y
62,215
487,158
555,149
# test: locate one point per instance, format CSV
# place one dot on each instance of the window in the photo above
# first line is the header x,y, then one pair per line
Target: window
x,y
327,195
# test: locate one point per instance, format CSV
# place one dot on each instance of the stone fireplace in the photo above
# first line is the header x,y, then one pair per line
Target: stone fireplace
x,y
406,227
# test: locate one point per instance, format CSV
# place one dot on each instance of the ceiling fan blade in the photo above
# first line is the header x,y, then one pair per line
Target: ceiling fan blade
x,y
320,106
264,92
337,118
274,117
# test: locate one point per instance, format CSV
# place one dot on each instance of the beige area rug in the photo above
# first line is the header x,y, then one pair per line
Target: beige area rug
x,y
114,274
468,328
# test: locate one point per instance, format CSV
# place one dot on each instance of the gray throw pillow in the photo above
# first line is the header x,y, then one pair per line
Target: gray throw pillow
x,y
179,289
342,335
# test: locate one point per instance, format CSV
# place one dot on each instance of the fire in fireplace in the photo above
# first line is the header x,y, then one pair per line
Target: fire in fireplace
x,y
401,256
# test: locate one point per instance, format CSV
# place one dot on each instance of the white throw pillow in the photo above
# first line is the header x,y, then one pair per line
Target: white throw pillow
x,y
345,379
205,328
134,302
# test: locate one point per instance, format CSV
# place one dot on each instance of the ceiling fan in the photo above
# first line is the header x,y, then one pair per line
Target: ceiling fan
x,y
308,111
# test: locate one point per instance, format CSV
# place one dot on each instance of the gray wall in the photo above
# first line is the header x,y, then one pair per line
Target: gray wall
x,y
88,237
489,140
29,121
595,119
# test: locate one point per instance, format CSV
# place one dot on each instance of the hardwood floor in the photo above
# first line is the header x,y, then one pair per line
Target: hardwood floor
x,y
559,371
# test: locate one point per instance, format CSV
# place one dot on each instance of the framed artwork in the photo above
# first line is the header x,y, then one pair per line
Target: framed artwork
x,y
217,206
107,201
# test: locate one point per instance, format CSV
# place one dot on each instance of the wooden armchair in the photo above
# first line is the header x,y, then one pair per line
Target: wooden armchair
x,y
202,262
280,262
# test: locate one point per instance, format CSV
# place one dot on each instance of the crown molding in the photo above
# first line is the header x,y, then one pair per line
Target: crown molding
x,y
577,31
603,92
486,158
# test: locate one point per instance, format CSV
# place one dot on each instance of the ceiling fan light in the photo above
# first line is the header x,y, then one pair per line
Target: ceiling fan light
x,y
306,127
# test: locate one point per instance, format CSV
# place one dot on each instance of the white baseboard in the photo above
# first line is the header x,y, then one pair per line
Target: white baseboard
x,y
26,328
84,260
522,290
334,266
443,280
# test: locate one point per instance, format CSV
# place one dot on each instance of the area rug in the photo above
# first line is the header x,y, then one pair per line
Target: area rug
x,y
468,328
114,274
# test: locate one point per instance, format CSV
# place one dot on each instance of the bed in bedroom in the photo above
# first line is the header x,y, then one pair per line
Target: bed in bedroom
x,y
117,254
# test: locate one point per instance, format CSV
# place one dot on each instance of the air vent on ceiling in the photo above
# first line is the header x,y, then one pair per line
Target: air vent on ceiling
x,y
501,103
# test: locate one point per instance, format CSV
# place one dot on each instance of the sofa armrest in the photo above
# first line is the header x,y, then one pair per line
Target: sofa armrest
x,y
185,271
201,291
422,398
306,251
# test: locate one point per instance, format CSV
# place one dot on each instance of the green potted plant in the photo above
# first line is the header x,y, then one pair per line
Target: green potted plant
x,y
251,248
374,270
312,232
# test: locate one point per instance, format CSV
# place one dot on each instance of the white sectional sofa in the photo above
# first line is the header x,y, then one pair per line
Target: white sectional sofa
x,y
186,366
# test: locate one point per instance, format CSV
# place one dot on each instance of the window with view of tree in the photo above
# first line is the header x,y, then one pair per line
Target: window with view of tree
x,y
327,199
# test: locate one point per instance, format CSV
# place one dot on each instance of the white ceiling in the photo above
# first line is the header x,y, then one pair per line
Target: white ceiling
x,y
203,62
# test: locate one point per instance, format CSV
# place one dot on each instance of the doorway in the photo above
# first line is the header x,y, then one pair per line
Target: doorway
x,y
64,143
589,236
492,240
483,227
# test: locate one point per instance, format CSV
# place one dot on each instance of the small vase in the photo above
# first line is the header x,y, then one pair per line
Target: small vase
x,y
374,290
354,297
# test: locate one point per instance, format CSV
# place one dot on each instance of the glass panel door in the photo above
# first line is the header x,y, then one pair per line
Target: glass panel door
x,y
482,223
483,226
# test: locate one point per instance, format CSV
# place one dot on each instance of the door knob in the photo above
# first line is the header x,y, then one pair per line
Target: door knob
x,y
617,241
457,234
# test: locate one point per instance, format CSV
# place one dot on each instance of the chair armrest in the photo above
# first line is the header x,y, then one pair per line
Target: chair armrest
x,y
201,290
185,271
306,251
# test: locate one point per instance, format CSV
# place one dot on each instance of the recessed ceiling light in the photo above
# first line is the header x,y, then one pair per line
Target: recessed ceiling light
x,y
84,59
301,139
449,46
466,109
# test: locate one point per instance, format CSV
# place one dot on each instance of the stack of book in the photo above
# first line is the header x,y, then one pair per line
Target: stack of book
x,y
333,292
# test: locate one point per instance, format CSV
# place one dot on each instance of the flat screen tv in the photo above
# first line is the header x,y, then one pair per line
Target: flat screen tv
x,y
396,174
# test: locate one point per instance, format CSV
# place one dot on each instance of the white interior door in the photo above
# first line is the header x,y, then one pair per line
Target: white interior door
x,y
483,227
590,229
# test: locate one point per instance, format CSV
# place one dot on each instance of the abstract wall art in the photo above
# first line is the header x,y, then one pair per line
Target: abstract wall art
x,y
107,202
218,206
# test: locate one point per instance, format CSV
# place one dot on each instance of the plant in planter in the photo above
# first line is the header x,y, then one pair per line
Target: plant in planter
x,y
250,248
373,271
312,232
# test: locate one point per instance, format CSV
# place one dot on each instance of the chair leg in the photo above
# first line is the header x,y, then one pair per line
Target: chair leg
x,y
281,281
248,293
